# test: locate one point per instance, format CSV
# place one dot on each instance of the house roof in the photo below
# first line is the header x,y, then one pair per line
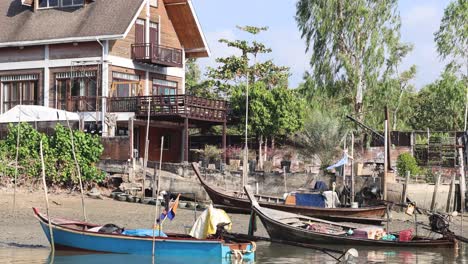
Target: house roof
x,y
103,19
185,21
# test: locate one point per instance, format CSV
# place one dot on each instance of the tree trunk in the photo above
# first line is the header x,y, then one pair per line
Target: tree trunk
x,y
260,159
359,96
265,158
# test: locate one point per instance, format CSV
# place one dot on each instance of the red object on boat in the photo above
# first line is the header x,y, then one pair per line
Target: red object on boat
x,y
405,235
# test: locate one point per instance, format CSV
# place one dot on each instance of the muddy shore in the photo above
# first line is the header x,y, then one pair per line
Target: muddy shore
x,y
23,230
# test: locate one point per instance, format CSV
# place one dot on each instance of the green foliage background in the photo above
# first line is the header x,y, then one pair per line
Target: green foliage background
x,y
58,156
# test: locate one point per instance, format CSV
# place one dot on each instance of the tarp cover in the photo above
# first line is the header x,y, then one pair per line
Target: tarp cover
x,y
36,113
310,199
207,222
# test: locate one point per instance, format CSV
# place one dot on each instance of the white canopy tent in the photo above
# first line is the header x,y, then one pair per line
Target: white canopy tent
x,y
36,113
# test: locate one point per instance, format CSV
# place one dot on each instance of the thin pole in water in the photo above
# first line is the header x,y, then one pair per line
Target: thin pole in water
x,y
78,169
156,210
47,200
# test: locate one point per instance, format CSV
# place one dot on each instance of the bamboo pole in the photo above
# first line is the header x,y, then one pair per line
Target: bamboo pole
x,y
462,185
246,148
384,178
434,194
284,180
156,210
78,169
352,168
145,160
52,243
16,163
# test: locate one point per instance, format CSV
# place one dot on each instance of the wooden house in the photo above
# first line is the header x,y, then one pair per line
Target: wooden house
x,y
117,63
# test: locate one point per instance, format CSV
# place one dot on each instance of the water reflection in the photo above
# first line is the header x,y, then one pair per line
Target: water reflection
x,y
266,253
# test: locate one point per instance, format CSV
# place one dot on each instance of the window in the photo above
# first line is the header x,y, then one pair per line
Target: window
x,y
48,3
76,91
154,35
167,142
164,87
140,31
60,3
19,90
125,85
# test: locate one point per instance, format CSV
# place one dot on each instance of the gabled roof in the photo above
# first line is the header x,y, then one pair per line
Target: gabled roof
x,y
186,24
103,19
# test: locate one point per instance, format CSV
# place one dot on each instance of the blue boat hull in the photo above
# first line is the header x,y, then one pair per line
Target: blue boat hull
x,y
165,247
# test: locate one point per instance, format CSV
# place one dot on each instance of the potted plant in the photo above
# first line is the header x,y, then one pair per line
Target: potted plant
x,y
212,155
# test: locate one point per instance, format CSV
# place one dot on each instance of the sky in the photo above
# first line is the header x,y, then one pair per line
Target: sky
x,y
218,18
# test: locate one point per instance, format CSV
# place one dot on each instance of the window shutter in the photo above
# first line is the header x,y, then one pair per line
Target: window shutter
x,y
154,33
140,31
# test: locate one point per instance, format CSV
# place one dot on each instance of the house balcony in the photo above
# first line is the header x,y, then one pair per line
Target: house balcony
x,y
171,107
157,54
81,104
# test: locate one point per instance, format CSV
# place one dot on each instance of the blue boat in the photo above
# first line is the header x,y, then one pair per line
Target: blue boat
x,y
77,235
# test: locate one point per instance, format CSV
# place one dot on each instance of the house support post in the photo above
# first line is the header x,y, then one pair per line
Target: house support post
x,y
186,140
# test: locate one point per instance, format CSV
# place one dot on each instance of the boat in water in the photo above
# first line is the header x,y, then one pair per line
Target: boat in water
x,y
238,202
82,236
301,230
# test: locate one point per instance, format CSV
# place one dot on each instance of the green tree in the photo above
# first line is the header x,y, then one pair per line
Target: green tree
x,y
407,163
452,42
233,70
438,105
194,85
348,40
321,136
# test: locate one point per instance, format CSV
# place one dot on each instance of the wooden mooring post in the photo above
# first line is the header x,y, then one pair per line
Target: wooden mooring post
x,y
451,195
405,188
436,189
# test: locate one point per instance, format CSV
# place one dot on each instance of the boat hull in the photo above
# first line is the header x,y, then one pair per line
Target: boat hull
x,y
165,247
283,233
242,205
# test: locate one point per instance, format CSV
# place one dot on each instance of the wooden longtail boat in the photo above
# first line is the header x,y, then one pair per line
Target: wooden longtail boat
x,y
75,235
295,229
238,202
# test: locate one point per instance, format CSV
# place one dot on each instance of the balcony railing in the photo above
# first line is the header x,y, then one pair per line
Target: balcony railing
x,y
184,106
83,104
157,54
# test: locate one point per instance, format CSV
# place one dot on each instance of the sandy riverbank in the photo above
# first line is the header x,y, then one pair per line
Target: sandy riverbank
x,y
24,229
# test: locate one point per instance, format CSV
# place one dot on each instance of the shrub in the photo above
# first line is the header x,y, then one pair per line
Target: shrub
x,y
406,162
59,162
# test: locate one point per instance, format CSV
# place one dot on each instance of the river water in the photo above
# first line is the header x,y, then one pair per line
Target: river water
x,y
266,253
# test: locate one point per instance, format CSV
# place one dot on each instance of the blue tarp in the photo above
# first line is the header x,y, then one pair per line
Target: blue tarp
x,y
321,186
143,232
310,199
341,162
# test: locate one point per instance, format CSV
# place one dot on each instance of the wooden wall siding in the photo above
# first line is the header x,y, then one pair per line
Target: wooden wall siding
x,y
81,50
15,54
116,148
122,47
168,34
53,71
173,154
